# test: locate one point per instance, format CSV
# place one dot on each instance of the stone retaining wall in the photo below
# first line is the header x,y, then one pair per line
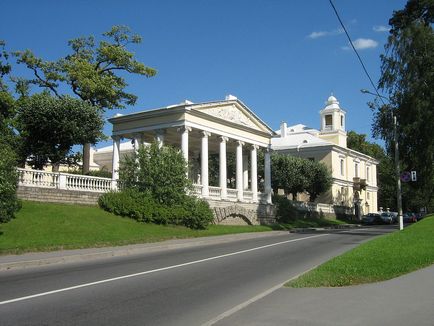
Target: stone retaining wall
x,y
236,213
51,195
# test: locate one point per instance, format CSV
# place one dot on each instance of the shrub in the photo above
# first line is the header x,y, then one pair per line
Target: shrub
x,y
141,206
9,203
160,171
285,211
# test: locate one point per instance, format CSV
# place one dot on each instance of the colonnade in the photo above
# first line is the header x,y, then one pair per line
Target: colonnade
x,y
221,192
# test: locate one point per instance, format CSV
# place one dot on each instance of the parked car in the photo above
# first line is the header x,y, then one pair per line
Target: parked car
x,y
387,217
409,217
372,219
394,216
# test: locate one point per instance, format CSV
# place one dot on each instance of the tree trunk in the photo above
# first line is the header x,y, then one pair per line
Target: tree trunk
x,y
86,158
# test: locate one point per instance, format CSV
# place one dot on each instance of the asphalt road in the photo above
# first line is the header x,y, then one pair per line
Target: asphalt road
x,y
187,286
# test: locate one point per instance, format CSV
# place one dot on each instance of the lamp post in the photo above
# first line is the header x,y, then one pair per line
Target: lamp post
x,y
397,167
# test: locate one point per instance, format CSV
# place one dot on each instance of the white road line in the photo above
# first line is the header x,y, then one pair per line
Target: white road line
x,y
252,300
155,270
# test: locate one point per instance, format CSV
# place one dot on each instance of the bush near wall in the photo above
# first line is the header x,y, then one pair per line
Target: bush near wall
x,y
141,206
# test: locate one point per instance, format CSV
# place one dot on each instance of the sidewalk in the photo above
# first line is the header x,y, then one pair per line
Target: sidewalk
x,y
406,300
30,260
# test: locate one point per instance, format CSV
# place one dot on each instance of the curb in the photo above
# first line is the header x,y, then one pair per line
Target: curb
x,y
31,260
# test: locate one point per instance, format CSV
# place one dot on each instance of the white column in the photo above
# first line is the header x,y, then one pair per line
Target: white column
x,y
115,160
267,176
245,172
223,167
136,145
136,142
254,172
184,143
204,164
159,137
239,172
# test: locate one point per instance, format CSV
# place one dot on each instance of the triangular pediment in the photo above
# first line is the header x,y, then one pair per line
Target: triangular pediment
x,y
234,112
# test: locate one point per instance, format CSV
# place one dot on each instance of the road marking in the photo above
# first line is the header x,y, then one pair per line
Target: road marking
x,y
252,300
155,270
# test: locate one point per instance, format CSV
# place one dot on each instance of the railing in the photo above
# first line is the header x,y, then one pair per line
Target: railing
x,y
215,192
197,189
248,195
36,178
232,193
60,180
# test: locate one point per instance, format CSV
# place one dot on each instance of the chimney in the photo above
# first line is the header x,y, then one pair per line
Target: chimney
x,y
283,127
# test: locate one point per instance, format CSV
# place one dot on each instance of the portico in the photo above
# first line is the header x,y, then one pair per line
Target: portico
x,y
206,133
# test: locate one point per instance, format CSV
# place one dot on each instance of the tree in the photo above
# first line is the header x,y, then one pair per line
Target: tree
x,y
92,71
386,179
408,79
159,171
9,203
319,179
50,126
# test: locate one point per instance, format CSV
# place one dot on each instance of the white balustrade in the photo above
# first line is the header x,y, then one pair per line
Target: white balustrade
x,y
232,194
37,178
59,180
197,189
248,195
215,192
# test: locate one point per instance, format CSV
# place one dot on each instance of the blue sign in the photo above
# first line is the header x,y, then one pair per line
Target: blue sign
x,y
405,176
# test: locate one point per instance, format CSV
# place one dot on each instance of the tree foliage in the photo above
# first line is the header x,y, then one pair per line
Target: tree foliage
x,y
408,79
50,126
386,179
9,203
296,175
159,171
93,71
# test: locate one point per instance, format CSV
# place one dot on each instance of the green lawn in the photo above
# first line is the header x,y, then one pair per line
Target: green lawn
x,y
45,227
380,259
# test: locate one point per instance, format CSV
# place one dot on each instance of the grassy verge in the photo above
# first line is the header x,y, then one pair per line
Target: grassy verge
x,y
45,227
380,259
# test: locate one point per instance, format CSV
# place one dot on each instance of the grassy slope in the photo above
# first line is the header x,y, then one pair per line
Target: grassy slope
x,y
44,227
381,259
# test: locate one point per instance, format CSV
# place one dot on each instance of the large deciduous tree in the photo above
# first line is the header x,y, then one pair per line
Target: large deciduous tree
x,y
296,175
386,179
50,126
8,174
408,79
93,71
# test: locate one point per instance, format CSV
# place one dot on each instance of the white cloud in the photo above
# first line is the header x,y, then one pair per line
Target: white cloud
x,y
362,43
315,35
380,29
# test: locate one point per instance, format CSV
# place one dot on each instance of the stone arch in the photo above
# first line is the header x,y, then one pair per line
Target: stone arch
x,y
235,214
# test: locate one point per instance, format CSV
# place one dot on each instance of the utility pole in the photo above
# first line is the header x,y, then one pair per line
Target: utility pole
x,y
398,175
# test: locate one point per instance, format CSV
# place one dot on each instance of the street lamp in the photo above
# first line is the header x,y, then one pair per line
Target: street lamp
x,y
397,167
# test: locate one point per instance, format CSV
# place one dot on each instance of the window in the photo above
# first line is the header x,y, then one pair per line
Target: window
x,y
342,120
368,195
342,167
328,121
356,170
368,177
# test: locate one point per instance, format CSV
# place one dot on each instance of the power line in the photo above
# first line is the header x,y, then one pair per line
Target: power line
x,y
355,51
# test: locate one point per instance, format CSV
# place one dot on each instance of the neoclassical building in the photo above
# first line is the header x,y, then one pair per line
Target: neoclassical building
x,y
329,145
199,130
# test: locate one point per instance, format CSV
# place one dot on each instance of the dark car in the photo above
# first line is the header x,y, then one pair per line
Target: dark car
x,y
409,217
387,217
372,219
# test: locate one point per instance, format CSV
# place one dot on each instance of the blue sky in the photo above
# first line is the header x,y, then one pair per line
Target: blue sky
x,y
281,58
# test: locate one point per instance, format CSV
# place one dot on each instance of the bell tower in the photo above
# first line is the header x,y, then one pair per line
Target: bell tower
x,y
333,122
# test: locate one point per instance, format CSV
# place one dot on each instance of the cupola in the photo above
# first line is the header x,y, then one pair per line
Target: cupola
x,y
333,122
